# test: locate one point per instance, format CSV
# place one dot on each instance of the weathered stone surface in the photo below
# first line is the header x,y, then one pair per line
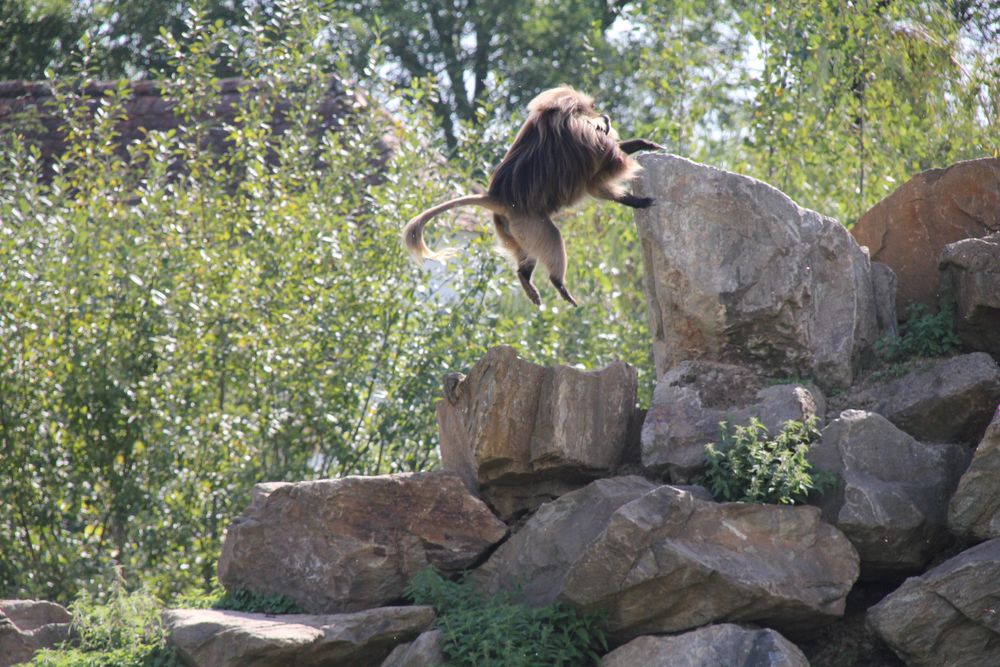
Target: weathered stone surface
x,y
353,543
908,229
424,651
885,284
693,397
970,274
655,559
892,492
975,508
713,646
27,626
949,616
216,638
736,272
950,400
523,434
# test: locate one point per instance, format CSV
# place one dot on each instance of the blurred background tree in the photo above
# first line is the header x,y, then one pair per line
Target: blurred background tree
x,y
169,337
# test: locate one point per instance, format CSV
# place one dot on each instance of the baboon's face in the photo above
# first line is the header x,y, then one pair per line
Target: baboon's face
x,y
603,124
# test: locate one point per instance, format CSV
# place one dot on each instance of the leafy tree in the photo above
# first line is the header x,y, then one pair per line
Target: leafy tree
x,y
34,35
852,100
37,36
474,48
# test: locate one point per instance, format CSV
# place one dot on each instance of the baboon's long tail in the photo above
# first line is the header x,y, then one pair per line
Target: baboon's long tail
x,y
413,232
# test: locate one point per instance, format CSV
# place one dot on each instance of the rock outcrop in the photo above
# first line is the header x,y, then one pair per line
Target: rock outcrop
x,y
908,229
691,400
736,272
523,434
215,638
949,616
746,290
949,400
970,276
975,508
424,651
27,626
892,492
655,559
349,544
712,646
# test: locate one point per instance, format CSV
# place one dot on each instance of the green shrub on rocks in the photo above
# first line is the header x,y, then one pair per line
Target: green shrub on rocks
x,y
923,334
749,466
495,631
253,602
123,630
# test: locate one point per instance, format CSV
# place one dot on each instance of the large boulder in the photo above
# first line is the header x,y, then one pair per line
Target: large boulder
x,y
424,651
27,626
655,559
339,545
216,638
712,646
693,397
522,434
970,275
949,616
891,498
975,508
737,272
948,400
908,229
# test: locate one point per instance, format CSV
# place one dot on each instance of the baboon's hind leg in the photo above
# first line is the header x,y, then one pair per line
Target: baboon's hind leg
x,y
541,238
524,270
525,263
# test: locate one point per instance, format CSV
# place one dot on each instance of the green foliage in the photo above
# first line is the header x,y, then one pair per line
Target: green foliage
x,y
242,599
748,466
145,656
923,334
498,632
543,44
177,324
33,34
122,630
38,35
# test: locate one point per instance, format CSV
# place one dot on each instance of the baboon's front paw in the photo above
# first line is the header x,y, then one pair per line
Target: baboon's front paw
x,y
643,202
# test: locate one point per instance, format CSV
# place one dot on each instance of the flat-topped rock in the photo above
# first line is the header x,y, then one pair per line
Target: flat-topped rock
x,y
348,544
217,638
